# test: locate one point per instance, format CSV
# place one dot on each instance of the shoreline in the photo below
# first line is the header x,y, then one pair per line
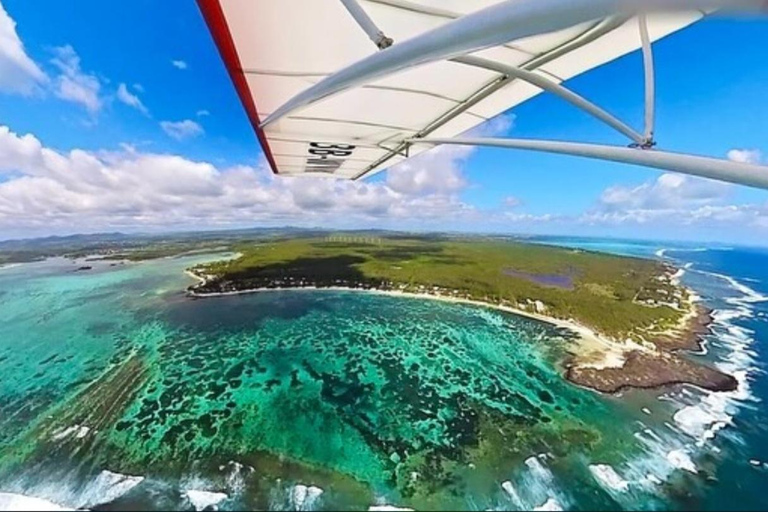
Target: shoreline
x,y
574,327
598,363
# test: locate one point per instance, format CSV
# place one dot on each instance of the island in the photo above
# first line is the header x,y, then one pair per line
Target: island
x,y
633,322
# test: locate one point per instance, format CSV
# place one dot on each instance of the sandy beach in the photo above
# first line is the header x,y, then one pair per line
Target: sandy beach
x,y
596,361
593,351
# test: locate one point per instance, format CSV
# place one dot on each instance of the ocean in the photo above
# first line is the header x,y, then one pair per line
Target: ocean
x,y
120,392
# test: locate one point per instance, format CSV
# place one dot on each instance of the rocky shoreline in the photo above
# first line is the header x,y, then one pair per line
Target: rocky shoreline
x,y
643,370
666,366
637,366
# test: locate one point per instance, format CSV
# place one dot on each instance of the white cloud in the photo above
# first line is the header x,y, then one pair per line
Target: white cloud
x,y
512,202
745,156
440,170
181,130
179,64
203,113
130,99
675,200
44,191
668,192
73,84
437,171
494,127
48,191
18,73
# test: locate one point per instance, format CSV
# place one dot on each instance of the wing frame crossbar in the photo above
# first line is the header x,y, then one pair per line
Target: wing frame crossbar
x,y
750,175
374,33
505,22
377,35
650,82
494,25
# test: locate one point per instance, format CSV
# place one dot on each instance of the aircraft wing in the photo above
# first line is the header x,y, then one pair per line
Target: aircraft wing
x,y
274,49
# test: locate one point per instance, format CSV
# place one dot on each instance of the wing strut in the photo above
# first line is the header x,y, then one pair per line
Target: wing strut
x,y
366,23
377,35
556,89
494,25
650,82
713,168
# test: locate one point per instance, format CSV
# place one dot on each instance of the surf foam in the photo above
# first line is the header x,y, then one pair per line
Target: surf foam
x,y
107,487
20,502
303,497
509,488
608,478
78,431
535,487
550,505
681,460
202,500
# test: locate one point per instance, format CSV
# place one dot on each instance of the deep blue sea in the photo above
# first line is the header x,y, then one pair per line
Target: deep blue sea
x,y
734,282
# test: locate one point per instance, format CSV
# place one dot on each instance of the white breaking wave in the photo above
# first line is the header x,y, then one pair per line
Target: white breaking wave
x,y
78,431
661,253
715,411
550,505
608,478
703,414
655,467
534,489
236,474
20,502
65,490
513,495
750,296
202,500
107,487
682,460
710,412
388,508
303,497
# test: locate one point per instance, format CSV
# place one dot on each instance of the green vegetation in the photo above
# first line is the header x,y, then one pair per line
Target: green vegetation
x,y
614,295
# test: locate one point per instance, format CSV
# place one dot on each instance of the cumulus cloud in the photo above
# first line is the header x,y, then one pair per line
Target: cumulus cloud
x,y
179,64
45,190
202,113
437,171
130,99
745,156
181,130
18,73
73,84
675,200
668,192
441,170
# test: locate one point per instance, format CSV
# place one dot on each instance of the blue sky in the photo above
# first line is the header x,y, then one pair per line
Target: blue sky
x,y
139,88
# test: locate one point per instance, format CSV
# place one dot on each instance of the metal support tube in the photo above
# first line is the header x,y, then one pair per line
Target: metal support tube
x,y
724,170
492,26
650,81
366,23
557,89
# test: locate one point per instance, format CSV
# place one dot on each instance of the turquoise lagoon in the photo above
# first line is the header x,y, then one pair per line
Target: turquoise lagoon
x,y
120,392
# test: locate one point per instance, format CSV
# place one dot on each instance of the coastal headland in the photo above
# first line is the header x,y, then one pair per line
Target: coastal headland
x,y
632,321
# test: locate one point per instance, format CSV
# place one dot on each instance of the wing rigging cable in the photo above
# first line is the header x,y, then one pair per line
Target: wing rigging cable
x,y
331,103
